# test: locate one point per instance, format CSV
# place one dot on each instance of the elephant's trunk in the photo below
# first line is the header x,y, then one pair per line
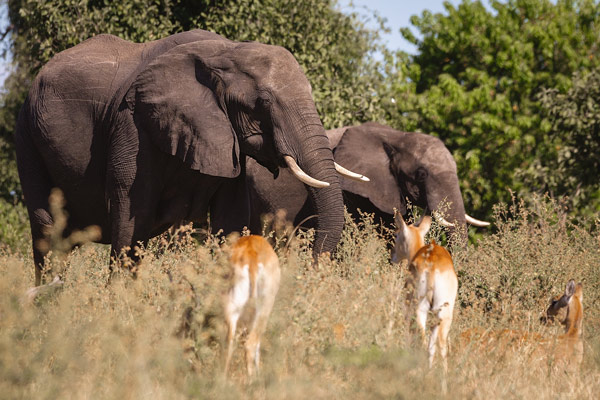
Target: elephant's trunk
x,y
327,202
444,196
310,148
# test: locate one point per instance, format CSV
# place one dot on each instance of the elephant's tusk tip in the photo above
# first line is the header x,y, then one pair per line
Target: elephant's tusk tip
x,y
442,221
349,174
321,185
476,222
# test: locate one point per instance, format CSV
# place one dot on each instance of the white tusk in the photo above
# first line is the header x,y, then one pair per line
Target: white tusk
x,y
350,174
442,221
476,222
303,176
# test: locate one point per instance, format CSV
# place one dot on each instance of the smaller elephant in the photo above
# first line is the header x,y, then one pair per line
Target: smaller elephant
x,y
402,166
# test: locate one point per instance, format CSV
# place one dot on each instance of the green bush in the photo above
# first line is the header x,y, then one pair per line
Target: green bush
x,y
474,83
14,226
569,160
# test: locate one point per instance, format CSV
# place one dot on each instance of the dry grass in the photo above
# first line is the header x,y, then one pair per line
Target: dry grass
x,y
337,330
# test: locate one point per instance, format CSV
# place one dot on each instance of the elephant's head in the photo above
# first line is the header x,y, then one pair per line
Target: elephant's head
x,y
212,102
403,165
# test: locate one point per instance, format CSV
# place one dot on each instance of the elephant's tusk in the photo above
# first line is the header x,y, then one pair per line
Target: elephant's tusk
x,y
303,176
442,221
352,175
476,222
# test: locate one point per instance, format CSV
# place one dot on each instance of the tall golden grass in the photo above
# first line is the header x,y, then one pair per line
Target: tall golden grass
x,y
338,330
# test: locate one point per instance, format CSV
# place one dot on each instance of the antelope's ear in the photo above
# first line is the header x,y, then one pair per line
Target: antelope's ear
x,y
398,219
424,225
570,289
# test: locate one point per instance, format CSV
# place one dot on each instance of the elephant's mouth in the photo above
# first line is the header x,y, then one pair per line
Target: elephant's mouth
x,y
261,148
413,192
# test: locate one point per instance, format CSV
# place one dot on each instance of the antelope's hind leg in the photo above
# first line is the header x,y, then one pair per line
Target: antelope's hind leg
x,y
264,305
236,299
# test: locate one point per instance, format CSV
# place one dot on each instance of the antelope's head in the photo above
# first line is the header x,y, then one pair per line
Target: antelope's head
x,y
570,301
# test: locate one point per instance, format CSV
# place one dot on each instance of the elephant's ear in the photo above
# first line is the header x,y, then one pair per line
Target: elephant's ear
x,y
174,101
335,135
361,150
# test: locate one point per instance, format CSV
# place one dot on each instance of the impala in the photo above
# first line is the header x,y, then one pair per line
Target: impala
x,y
255,280
433,280
565,350
569,346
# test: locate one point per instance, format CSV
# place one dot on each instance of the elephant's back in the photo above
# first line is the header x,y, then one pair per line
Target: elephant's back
x,y
90,71
69,98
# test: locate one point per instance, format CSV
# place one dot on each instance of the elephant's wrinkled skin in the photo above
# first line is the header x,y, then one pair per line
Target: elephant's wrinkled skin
x,y
142,136
400,165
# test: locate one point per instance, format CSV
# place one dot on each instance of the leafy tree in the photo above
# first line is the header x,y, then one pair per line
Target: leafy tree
x,y
475,79
570,163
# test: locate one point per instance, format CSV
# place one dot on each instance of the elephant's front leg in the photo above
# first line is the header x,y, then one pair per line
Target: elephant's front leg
x,y
124,251
130,188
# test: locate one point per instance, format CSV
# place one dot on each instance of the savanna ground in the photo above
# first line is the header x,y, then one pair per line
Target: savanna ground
x,y
337,330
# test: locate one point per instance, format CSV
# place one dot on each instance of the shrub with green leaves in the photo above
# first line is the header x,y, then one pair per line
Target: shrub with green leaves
x,y
569,161
475,78
14,226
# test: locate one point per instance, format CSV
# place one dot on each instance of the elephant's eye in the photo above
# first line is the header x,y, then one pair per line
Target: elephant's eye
x,y
264,100
420,174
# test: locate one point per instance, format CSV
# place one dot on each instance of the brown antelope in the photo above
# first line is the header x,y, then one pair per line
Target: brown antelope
x,y
433,279
255,277
566,349
569,346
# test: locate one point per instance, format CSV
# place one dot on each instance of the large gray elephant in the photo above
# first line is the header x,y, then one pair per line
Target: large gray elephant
x,y
142,136
400,165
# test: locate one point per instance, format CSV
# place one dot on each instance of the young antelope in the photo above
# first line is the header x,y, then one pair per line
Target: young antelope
x,y
255,280
434,282
565,350
569,346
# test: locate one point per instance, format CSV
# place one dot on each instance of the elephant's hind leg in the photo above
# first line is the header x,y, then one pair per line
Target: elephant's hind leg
x,y
40,220
36,184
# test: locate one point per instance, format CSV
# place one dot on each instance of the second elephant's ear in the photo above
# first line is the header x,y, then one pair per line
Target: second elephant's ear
x,y
361,150
174,101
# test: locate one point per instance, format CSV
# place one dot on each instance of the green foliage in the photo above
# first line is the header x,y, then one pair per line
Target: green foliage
x,y
475,79
14,226
44,28
570,162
